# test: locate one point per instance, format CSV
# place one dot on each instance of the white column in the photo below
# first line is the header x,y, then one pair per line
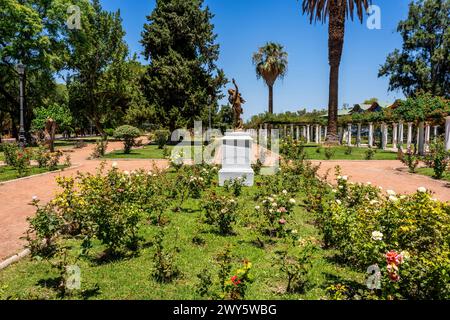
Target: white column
x,y
292,132
349,137
421,138
400,135
384,136
316,137
358,136
304,131
427,137
325,133
435,133
447,133
308,136
394,135
370,135
285,131
409,137
320,134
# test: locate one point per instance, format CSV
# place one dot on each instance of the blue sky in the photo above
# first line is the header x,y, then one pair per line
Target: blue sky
x,y
244,25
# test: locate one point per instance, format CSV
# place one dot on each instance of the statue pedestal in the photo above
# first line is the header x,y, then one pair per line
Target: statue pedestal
x,y
236,158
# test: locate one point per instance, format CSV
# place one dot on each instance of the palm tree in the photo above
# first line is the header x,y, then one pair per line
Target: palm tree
x,y
271,63
337,11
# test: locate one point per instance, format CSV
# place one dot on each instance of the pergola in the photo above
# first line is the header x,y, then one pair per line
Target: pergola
x,y
313,131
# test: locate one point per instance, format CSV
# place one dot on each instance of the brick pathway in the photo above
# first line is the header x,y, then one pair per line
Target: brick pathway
x,y
385,173
15,196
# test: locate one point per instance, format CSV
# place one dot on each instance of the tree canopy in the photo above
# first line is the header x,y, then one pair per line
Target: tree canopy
x,y
423,63
182,80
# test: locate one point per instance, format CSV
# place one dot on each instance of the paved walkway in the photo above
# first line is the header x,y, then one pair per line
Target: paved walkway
x,y
15,196
386,174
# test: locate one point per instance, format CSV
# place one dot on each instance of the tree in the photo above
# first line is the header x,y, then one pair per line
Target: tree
x,y
336,11
103,83
423,63
182,79
30,32
271,63
371,101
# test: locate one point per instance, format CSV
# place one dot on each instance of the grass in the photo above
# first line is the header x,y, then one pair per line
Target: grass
x,y
9,173
2,156
356,154
130,278
147,152
430,173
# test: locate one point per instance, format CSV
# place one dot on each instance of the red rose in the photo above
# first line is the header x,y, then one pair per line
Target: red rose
x,y
235,280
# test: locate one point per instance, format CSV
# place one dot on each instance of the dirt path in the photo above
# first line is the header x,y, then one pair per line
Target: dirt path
x,y
385,173
15,195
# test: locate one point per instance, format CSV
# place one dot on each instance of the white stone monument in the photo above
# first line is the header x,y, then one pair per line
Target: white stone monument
x,y
236,158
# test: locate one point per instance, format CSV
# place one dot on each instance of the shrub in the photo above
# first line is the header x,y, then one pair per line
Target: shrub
x,y
220,212
109,132
161,137
369,154
329,153
41,155
22,162
164,268
127,134
99,148
439,158
79,144
348,151
411,160
296,266
404,236
235,186
10,152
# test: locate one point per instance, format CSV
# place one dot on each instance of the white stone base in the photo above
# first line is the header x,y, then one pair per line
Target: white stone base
x,y
233,173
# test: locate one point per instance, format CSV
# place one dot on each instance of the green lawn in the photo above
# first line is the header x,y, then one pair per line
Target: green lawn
x,y
430,173
9,173
130,278
2,156
147,152
357,153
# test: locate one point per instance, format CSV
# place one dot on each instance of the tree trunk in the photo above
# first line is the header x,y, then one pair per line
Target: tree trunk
x,y
336,29
271,99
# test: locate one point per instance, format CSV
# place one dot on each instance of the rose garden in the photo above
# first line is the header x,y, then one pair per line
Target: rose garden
x,y
130,181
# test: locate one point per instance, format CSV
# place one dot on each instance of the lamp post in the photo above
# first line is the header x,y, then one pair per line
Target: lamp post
x,y
21,72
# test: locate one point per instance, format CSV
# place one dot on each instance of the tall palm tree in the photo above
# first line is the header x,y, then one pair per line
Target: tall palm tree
x,y
271,63
337,11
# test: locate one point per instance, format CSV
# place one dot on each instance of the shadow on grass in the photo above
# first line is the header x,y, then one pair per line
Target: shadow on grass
x,y
332,279
56,284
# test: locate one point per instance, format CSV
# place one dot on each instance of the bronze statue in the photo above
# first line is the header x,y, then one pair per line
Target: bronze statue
x,y
236,101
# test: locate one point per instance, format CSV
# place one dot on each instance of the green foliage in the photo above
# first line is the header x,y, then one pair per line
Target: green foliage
x,y
99,148
348,151
234,186
370,153
182,79
104,82
423,62
10,152
162,137
296,265
439,158
164,269
128,134
59,113
329,153
405,236
410,159
220,212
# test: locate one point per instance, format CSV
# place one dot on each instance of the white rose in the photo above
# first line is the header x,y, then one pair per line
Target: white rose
x,y
377,236
285,192
391,192
114,165
292,201
422,189
338,202
393,198
257,207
